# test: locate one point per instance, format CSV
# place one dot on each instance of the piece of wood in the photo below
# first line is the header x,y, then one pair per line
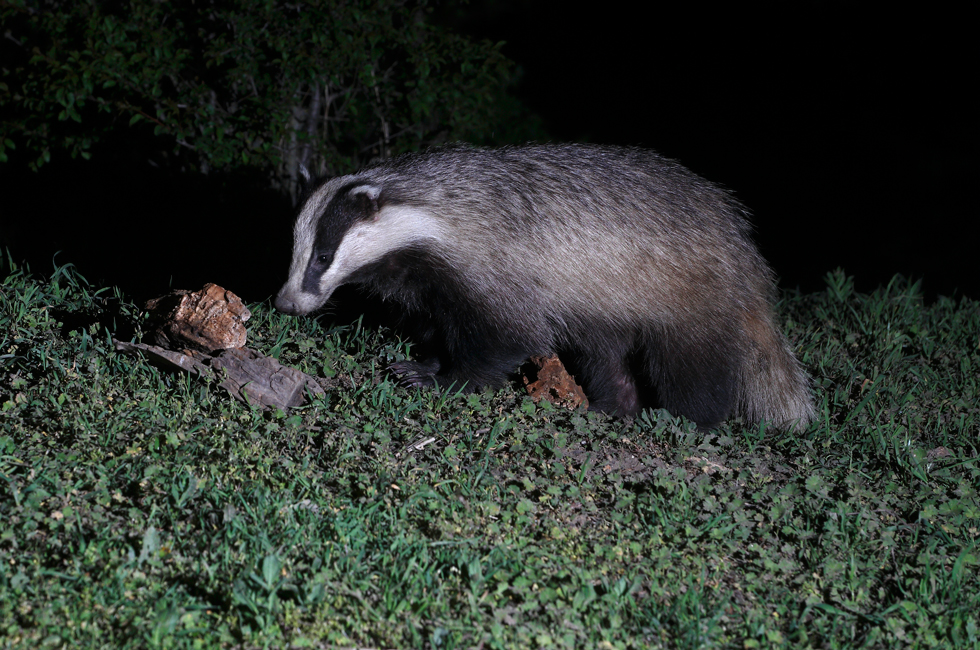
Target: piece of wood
x,y
247,375
203,333
166,359
263,379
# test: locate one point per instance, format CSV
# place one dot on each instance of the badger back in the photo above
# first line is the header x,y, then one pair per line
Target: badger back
x,y
582,230
573,231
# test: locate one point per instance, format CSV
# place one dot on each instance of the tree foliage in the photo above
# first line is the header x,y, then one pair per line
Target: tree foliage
x,y
266,83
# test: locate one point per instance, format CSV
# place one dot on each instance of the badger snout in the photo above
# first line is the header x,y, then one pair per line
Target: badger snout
x,y
287,305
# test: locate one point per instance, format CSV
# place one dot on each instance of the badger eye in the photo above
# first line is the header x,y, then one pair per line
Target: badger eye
x,y
323,259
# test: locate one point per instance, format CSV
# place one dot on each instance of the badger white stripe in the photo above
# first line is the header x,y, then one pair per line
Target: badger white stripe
x,y
392,229
304,237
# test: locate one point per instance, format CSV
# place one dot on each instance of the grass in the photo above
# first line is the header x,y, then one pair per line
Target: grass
x,y
144,509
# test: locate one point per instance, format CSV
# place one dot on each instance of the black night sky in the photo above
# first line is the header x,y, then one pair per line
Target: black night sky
x,y
850,133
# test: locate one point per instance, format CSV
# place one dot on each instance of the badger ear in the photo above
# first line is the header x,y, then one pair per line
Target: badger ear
x,y
365,197
305,174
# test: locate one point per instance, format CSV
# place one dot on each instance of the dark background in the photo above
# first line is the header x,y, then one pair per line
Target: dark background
x,y
850,133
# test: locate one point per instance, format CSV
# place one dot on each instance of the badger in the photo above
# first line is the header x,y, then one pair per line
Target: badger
x,y
641,276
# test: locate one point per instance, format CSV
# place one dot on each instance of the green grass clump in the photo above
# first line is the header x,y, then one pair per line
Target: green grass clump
x,y
144,509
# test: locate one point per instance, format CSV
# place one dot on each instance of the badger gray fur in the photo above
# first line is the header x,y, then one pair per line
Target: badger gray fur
x,y
640,275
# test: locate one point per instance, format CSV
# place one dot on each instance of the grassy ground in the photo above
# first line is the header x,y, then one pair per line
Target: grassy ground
x,y
142,509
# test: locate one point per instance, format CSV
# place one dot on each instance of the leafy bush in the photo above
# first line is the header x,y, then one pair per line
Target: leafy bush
x,y
220,84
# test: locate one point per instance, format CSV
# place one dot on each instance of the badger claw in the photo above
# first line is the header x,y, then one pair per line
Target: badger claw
x,y
412,374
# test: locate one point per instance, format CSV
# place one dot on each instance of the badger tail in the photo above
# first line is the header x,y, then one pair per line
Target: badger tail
x,y
774,386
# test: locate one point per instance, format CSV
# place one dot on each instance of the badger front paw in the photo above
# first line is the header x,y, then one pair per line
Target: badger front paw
x,y
415,373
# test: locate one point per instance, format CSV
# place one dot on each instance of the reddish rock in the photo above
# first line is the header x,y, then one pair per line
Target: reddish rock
x,y
554,384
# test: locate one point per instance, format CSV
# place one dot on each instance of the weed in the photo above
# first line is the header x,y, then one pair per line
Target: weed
x,y
143,509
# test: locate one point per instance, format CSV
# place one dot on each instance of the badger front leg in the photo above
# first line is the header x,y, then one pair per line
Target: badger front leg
x,y
472,366
415,374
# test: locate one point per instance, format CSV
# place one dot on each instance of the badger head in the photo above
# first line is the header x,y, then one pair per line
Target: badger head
x,y
344,226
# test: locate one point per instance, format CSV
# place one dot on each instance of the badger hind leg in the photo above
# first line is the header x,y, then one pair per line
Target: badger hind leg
x,y
600,363
695,376
609,385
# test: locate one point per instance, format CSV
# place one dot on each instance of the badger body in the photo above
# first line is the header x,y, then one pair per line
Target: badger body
x,y
640,275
